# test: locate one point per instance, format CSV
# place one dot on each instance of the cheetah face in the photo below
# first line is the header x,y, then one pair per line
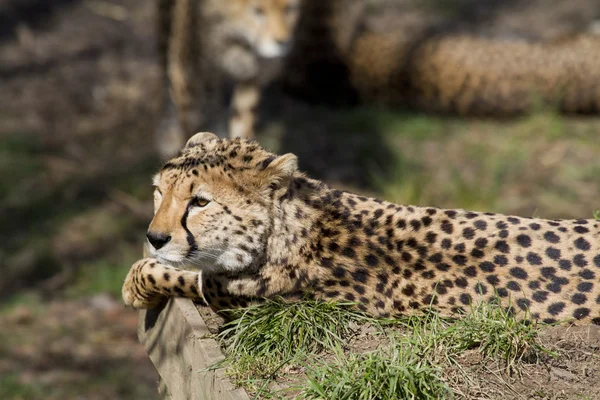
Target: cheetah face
x,y
212,207
269,25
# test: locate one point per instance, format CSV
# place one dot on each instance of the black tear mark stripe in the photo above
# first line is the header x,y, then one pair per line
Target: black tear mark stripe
x,y
190,238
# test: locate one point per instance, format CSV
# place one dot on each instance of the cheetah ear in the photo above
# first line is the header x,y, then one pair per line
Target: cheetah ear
x,y
278,169
199,138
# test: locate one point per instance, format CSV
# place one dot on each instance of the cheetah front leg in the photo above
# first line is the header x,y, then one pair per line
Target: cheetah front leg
x,y
149,283
246,97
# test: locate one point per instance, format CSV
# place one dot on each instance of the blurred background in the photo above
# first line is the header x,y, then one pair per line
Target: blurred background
x,y
417,102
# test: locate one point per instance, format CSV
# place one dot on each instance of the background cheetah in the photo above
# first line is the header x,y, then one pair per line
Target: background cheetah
x,y
257,227
408,54
213,52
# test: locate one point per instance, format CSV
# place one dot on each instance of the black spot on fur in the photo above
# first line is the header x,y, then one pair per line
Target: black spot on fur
x,y
551,237
447,244
540,296
431,237
480,288
534,285
500,260
579,298
579,260
480,224
581,313
371,260
582,244
492,280
534,259
523,304
518,272
443,267
487,266
461,282
565,264
502,246
524,240
477,253
447,227
348,252
359,289
416,225
553,253
360,275
468,233
556,308
481,243
465,299
409,290
587,274
459,259
585,287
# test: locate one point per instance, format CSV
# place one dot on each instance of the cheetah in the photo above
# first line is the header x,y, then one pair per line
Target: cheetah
x,y
256,227
211,50
403,54
468,75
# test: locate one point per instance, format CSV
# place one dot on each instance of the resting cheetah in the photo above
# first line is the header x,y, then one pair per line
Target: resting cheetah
x,y
256,227
208,48
404,53
471,75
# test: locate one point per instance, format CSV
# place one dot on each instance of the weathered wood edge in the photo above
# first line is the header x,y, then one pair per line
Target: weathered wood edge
x,y
175,338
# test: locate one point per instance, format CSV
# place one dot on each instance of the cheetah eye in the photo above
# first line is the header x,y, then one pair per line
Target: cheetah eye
x,y
199,202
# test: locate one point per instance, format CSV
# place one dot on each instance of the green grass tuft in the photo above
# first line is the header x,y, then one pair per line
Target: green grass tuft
x,y
263,338
282,329
497,332
395,373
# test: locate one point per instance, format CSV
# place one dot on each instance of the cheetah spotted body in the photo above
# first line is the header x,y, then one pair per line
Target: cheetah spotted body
x,y
256,227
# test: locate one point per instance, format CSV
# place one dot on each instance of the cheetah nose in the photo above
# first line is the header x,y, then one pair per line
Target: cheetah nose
x,y
158,240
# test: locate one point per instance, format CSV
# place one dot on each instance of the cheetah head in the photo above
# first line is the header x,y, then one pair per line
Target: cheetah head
x,y
214,204
268,25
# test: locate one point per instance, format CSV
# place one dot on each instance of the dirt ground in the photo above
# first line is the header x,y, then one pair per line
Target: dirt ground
x,y
78,107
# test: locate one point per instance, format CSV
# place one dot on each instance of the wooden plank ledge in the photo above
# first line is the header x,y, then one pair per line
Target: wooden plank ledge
x,y
177,341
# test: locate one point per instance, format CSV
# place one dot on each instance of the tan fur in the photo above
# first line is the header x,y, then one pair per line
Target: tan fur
x,y
256,227
466,74
206,45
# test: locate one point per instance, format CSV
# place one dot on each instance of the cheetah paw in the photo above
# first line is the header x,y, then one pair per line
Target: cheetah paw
x,y
136,290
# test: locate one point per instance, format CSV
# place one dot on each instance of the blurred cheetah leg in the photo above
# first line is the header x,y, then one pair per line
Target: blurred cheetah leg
x,y
244,104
